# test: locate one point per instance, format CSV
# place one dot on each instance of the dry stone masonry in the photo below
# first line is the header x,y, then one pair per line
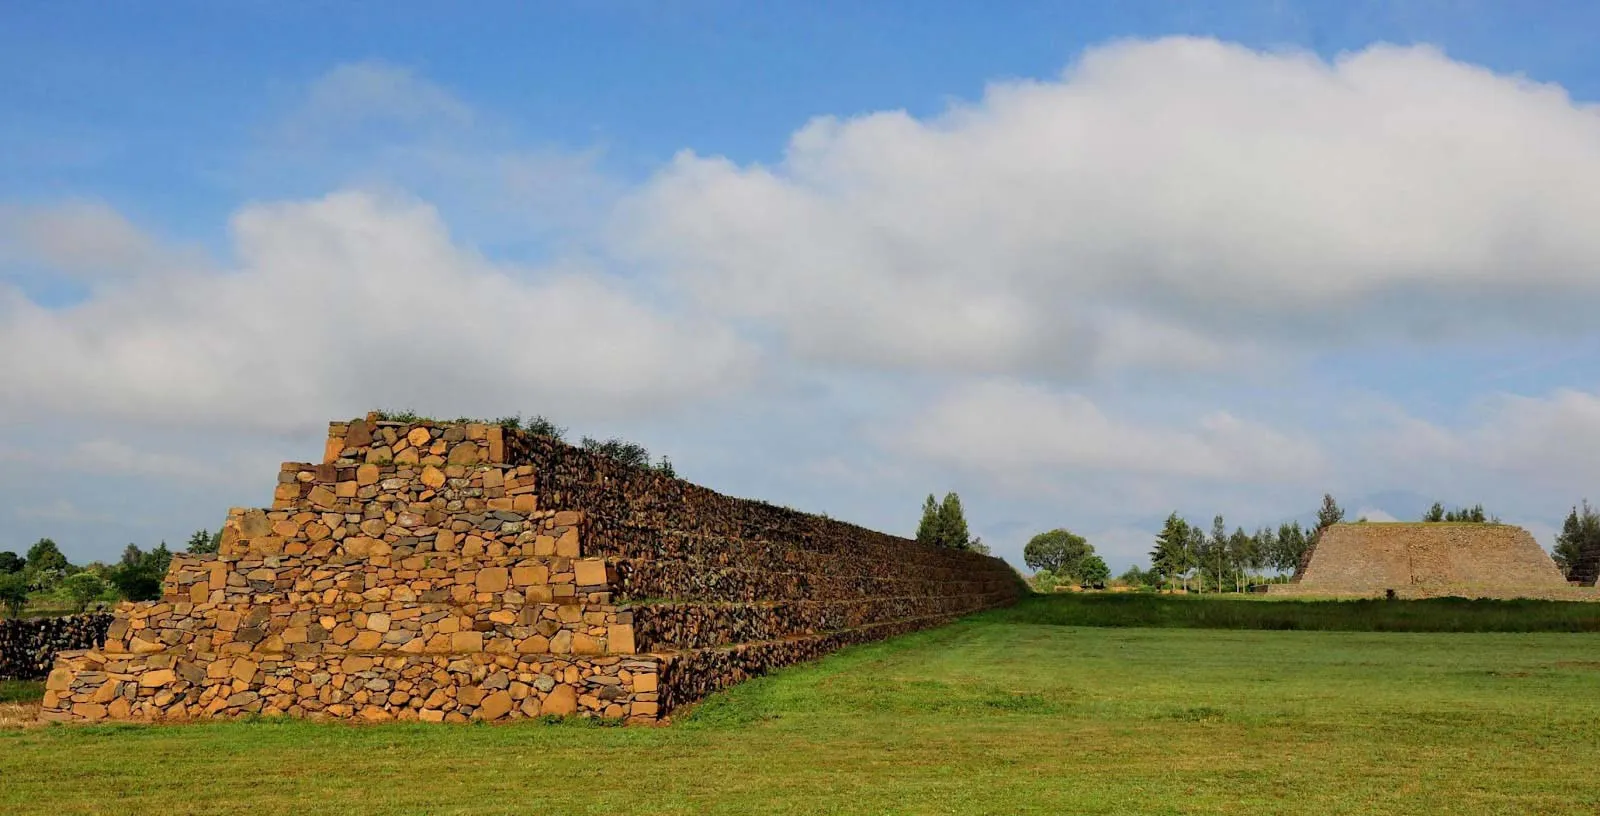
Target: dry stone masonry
x,y
1431,559
28,647
444,572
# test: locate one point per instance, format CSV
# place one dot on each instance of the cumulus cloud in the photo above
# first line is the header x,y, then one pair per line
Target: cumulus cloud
x,y
1224,199
353,300
1010,426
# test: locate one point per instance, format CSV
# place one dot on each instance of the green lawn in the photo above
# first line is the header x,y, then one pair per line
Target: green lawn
x,y
1279,612
990,715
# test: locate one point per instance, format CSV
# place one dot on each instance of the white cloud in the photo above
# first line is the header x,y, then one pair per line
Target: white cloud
x,y
357,95
84,239
350,301
1225,201
1013,427
1519,442
1372,514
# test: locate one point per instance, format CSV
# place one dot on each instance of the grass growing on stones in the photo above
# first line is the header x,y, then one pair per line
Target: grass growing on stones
x,y
993,714
1265,612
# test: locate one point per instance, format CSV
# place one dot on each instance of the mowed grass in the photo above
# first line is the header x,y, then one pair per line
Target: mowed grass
x,y
992,714
1269,612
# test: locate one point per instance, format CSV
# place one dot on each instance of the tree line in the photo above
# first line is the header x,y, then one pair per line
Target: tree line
x,y
1186,555
45,578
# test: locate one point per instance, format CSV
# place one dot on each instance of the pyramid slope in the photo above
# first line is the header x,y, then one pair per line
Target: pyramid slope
x,y
1427,559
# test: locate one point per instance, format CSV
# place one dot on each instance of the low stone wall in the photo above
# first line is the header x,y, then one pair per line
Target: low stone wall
x,y
450,572
28,647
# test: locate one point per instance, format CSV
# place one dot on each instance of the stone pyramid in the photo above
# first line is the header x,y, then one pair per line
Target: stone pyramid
x,y
1418,560
453,572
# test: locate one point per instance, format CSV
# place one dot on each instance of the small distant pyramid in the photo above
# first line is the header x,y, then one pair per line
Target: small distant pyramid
x,y
1431,559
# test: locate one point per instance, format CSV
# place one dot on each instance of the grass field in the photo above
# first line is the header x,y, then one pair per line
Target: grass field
x,y
993,714
1269,612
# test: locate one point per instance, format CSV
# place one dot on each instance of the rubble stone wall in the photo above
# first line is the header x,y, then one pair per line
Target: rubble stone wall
x,y
454,572
28,646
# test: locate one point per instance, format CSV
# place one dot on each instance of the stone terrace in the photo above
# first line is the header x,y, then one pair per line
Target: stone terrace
x,y
1431,559
466,572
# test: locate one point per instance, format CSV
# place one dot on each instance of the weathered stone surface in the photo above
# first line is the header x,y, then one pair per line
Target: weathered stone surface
x,y
562,701
413,576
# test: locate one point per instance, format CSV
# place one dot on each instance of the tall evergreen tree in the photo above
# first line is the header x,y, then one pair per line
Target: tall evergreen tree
x,y
1580,533
953,531
928,528
1330,514
1169,560
204,542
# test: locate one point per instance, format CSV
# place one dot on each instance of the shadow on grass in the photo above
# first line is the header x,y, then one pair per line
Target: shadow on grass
x,y
1189,612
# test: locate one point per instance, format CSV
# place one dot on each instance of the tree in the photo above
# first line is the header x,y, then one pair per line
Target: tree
x,y
1172,557
1215,557
1241,557
1473,515
135,582
953,523
1135,577
1580,533
45,555
928,528
1092,571
628,453
1330,514
1265,549
977,545
1435,513
13,593
537,424
10,562
1292,545
139,575
1044,581
158,560
82,589
1060,551
204,542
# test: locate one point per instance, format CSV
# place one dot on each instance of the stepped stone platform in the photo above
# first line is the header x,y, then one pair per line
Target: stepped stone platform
x,y
1431,559
441,572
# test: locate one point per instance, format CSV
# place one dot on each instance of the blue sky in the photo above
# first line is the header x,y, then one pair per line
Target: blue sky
x,y
1085,263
